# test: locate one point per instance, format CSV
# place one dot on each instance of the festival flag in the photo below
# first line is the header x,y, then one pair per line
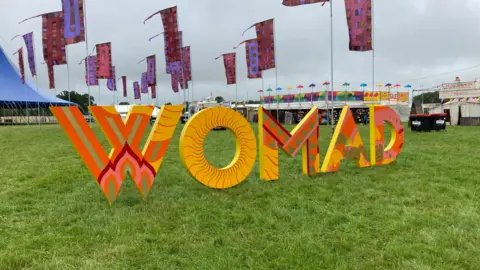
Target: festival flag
x,y
28,38
187,64
104,60
293,3
51,76
136,90
168,59
112,82
74,26
171,33
91,71
251,53
154,91
266,44
124,82
152,70
52,39
175,70
359,20
229,63
144,81
175,80
20,65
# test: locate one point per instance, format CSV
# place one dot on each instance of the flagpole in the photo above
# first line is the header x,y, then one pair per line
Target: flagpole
x,y
373,51
68,73
236,82
276,64
331,62
36,80
86,59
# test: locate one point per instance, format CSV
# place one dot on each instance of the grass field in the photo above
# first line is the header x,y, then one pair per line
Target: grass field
x,y
421,212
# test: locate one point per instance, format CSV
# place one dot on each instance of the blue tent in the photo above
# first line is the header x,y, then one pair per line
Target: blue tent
x,y
14,93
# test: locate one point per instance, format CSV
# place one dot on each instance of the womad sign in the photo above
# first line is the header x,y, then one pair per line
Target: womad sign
x,y
124,136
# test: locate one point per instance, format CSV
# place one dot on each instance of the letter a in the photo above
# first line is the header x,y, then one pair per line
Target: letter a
x,y
304,135
346,143
379,154
124,137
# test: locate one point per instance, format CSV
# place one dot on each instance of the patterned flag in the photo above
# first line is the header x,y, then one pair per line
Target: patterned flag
x,y
51,76
170,29
28,38
144,82
136,90
154,91
266,44
187,64
124,82
20,64
359,20
104,61
151,70
53,43
91,71
168,59
175,70
74,27
251,50
293,3
229,63
112,82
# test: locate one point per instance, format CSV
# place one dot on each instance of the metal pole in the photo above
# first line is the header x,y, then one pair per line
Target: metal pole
x,y
88,66
68,73
373,54
276,65
236,83
38,103
331,60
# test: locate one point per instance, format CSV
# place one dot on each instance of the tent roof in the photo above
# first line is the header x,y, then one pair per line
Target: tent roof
x,y
13,91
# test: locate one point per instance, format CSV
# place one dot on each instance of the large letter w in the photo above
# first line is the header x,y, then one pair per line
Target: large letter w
x,y
124,137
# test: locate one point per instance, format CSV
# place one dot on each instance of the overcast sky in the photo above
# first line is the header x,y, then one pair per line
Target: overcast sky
x,y
413,39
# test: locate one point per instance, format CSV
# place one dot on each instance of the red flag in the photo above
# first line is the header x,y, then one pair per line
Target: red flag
x,y
293,3
187,65
266,44
229,63
151,70
359,20
104,61
124,81
21,65
175,79
51,76
170,32
74,26
52,38
154,91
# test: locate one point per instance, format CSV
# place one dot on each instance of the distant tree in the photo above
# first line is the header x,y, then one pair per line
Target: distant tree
x,y
124,103
219,99
429,97
80,99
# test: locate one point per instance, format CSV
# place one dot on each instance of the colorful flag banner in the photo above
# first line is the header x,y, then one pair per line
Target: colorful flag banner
x,y
112,82
167,49
229,63
359,20
175,70
74,26
104,60
52,39
91,71
251,51
266,44
21,65
51,76
170,32
28,38
124,82
154,91
152,70
187,64
136,90
293,3
144,81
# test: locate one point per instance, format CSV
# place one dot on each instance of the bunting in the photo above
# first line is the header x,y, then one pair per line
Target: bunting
x,y
28,38
154,91
124,82
20,65
136,90
104,60
112,82
91,71
144,82
74,25
229,63
251,51
293,3
187,64
152,70
359,20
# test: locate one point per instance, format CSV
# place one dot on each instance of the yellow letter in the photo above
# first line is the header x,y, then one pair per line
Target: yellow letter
x,y
191,147
379,154
304,135
346,143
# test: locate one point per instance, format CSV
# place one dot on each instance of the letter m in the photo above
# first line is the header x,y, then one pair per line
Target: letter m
x,y
125,137
272,134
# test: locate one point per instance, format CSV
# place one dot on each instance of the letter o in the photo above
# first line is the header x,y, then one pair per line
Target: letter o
x,y
193,157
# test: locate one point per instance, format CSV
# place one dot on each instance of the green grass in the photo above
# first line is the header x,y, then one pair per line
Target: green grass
x,y
421,212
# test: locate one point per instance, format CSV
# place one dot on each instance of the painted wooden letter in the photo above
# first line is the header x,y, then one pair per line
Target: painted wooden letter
x,y
193,157
379,154
304,135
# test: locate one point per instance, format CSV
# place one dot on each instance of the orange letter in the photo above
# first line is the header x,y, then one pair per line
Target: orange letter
x,y
379,154
191,147
124,137
304,135
346,143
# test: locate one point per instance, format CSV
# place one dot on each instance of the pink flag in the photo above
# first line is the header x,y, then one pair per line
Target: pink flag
x,y
21,65
359,20
229,64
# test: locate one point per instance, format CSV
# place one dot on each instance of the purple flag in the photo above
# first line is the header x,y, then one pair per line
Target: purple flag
x,y
112,82
151,70
74,28
91,71
28,38
144,83
136,90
